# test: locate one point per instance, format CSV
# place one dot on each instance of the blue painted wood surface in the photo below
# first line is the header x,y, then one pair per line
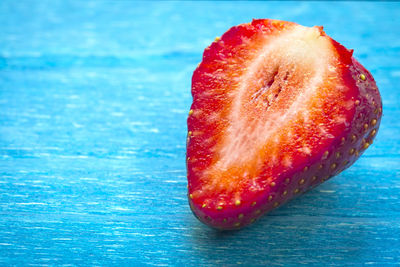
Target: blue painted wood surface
x,y
93,103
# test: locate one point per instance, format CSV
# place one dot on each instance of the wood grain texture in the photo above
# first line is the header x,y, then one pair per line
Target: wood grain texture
x,y
93,103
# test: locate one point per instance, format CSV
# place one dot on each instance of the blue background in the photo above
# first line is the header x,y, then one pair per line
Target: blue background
x,y
94,97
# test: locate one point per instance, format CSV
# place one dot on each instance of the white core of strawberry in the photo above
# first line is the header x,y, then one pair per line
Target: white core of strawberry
x,y
301,46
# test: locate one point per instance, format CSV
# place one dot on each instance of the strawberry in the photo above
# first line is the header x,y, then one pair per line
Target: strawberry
x,y
278,108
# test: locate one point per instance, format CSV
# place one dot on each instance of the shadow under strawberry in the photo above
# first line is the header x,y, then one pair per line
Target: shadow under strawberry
x,y
296,233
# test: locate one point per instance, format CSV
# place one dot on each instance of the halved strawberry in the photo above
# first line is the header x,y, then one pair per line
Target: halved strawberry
x,y
278,108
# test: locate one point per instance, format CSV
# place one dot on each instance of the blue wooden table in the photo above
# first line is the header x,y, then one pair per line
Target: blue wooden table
x,y
93,103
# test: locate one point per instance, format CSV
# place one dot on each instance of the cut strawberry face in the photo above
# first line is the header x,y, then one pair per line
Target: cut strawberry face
x,y
278,108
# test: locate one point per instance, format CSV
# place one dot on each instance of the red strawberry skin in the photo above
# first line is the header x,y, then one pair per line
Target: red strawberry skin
x,y
278,108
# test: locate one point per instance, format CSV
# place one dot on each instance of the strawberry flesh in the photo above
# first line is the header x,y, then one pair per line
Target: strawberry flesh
x,y
278,108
